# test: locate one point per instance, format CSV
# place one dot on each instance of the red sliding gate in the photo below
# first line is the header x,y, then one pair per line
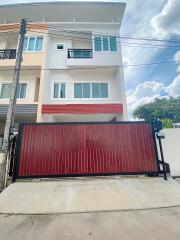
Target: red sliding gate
x,y
76,149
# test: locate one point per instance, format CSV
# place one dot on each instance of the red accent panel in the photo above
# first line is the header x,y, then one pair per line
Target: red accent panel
x,y
49,150
81,108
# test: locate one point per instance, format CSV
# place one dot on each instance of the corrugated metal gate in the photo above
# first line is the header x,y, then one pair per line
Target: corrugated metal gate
x,y
77,149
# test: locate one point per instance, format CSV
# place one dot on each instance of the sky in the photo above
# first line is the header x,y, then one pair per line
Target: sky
x,y
158,19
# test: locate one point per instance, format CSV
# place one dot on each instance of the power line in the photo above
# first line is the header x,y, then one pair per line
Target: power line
x,y
99,67
117,36
139,38
90,41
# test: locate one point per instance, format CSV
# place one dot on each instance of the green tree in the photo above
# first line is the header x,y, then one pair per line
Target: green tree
x,y
166,109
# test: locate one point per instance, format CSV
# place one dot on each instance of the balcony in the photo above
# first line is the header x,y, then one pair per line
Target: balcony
x,y
90,58
7,54
80,53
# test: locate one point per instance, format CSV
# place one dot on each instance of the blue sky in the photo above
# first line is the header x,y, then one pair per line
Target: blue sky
x,y
153,19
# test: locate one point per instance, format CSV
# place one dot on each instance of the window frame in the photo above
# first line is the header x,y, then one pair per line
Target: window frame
x,y
33,36
91,98
9,82
63,44
102,50
52,92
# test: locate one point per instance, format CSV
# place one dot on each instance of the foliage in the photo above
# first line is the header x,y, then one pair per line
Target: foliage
x,y
165,109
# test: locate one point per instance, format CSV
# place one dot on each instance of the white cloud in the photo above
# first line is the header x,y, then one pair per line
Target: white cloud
x,y
137,23
144,93
147,92
167,22
177,58
174,88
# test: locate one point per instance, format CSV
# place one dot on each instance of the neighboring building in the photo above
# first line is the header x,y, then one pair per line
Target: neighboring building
x,y
72,62
176,125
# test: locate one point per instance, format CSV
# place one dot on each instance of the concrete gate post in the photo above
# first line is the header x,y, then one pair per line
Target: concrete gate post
x,y
2,170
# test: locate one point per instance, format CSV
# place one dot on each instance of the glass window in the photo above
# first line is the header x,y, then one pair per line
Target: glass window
x,y
21,90
39,44
56,90
59,46
31,44
78,90
62,95
86,90
25,44
95,90
77,54
59,90
5,91
105,44
113,44
97,44
103,90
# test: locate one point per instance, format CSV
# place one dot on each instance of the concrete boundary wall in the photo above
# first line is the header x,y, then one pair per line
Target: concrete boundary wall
x,y
171,149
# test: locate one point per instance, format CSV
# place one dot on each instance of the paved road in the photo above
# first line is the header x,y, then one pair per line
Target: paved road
x,y
154,224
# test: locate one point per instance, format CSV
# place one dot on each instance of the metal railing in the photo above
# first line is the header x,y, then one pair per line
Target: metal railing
x,y
7,53
79,53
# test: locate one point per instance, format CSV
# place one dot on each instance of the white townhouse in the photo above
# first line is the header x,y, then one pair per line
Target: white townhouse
x,y
72,62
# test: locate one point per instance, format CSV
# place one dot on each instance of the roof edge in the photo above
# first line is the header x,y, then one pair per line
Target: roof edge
x,y
9,5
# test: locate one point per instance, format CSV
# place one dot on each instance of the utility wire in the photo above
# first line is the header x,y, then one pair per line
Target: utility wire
x,y
117,36
89,68
139,38
90,41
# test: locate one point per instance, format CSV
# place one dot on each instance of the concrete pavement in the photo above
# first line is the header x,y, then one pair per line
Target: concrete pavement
x,y
89,195
91,208
154,224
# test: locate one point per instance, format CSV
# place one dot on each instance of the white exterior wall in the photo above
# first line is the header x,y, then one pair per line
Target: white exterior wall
x,y
86,20
57,58
171,149
77,76
107,64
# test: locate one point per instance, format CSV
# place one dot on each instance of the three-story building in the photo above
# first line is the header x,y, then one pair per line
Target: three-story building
x,y
72,62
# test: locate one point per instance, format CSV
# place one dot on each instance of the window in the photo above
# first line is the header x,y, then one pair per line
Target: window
x,y
82,90
90,90
39,44
21,90
112,44
59,90
33,44
59,46
105,43
99,90
97,44
6,90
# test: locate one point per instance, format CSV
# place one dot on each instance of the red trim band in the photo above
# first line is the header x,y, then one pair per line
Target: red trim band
x,y
81,108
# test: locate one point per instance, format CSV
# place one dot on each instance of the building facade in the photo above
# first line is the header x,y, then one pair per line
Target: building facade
x,y
72,62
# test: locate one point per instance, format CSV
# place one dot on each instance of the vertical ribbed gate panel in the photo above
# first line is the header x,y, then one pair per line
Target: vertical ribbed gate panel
x,y
75,149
